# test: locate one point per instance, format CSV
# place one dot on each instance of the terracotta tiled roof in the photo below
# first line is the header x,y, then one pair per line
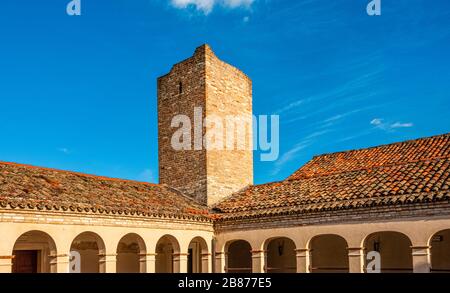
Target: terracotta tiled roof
x,y
393,154
28,187
414,171
400,173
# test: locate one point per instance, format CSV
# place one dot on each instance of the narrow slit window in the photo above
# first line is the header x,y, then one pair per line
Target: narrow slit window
x,y
180,87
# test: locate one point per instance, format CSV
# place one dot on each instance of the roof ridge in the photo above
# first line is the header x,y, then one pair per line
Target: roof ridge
x,y
179,192
79,173
376,167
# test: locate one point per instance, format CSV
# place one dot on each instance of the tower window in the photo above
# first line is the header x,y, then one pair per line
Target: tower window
x,y
180,87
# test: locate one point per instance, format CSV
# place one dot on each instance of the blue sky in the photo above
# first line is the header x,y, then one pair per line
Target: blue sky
x,y
79,92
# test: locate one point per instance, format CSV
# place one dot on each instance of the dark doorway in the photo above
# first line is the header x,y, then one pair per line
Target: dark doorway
x,y
25,261
239,257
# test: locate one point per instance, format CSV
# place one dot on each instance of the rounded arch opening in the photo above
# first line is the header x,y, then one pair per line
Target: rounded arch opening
x,y
239,257
198,256
167,252
91,248
440,252
131,254
34,252
281,255
394,249
329,254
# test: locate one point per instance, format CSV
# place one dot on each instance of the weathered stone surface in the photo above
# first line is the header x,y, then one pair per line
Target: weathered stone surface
x,y
220,90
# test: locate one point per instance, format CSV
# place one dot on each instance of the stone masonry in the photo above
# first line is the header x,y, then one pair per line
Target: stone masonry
x,y
220,90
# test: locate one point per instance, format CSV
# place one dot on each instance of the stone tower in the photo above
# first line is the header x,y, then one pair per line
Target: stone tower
x,y
211,88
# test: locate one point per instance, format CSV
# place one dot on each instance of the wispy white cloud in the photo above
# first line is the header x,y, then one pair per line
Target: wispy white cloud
x,y
389,126
355,89
146,176
353,136
64,151
341,116
402,125
376,122
206,6
289,155
289,107
297,148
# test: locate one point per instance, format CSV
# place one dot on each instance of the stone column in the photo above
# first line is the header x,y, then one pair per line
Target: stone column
x,y
303,256
147,262
421,256
259,261
180,261
206,261
356,259
221,262
6,263
108,263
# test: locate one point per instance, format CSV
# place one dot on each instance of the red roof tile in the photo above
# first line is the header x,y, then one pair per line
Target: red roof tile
x,y
393,154
408,172
400,173
23,186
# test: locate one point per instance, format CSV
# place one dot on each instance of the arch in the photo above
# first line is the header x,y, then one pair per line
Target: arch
x,y
239,256
198,259
329,254
394,248
34,252
281,255
91,248
167,250
440,251
131,254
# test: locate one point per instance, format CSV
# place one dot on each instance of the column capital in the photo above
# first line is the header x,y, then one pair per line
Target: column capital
x,y
420,246
258,251
181,254
356,248
355,251
302,252
148,254
107,254
421,250
59,255
259,254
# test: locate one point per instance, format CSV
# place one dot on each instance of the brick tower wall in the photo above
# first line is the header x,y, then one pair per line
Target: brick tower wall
x,y
228,93
220,90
